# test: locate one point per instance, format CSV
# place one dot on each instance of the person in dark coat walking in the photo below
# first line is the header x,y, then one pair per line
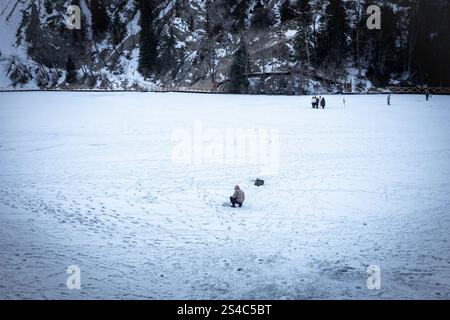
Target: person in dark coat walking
x,y
427,94
323,102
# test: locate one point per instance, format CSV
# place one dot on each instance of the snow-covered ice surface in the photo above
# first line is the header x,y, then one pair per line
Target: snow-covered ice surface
x,y
88,179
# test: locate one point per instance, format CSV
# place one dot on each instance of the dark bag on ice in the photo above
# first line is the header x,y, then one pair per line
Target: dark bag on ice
x,y
259,182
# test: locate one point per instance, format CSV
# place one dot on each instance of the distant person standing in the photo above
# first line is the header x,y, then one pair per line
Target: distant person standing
x,y
314,102
323,102
427,94
389,99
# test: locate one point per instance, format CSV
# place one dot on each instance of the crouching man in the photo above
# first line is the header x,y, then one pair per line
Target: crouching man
x,y
238,197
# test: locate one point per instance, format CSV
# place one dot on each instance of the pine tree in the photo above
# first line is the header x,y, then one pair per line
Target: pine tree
x,y
168,58
428,44
207,25
71,72
240,14
177,8
238,82
148,52
48,6
384,53
100,18
117,29
262,16
332,40
359,33
33,32
303,38
191,23
287,12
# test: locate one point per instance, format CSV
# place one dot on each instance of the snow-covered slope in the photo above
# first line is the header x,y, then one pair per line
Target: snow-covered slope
x,y
197,40
10,20
95,180
196,59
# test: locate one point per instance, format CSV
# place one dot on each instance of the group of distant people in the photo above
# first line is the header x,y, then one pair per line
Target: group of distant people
x,y
428,95
238,197
318,101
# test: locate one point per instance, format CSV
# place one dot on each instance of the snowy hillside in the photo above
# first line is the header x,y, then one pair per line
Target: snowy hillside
x,y
293,46
105,182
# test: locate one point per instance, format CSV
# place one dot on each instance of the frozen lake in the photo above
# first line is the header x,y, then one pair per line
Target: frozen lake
x,y
130,187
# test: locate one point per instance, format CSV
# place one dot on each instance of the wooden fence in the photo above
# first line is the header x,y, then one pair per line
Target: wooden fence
x,y
220,89
420,90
